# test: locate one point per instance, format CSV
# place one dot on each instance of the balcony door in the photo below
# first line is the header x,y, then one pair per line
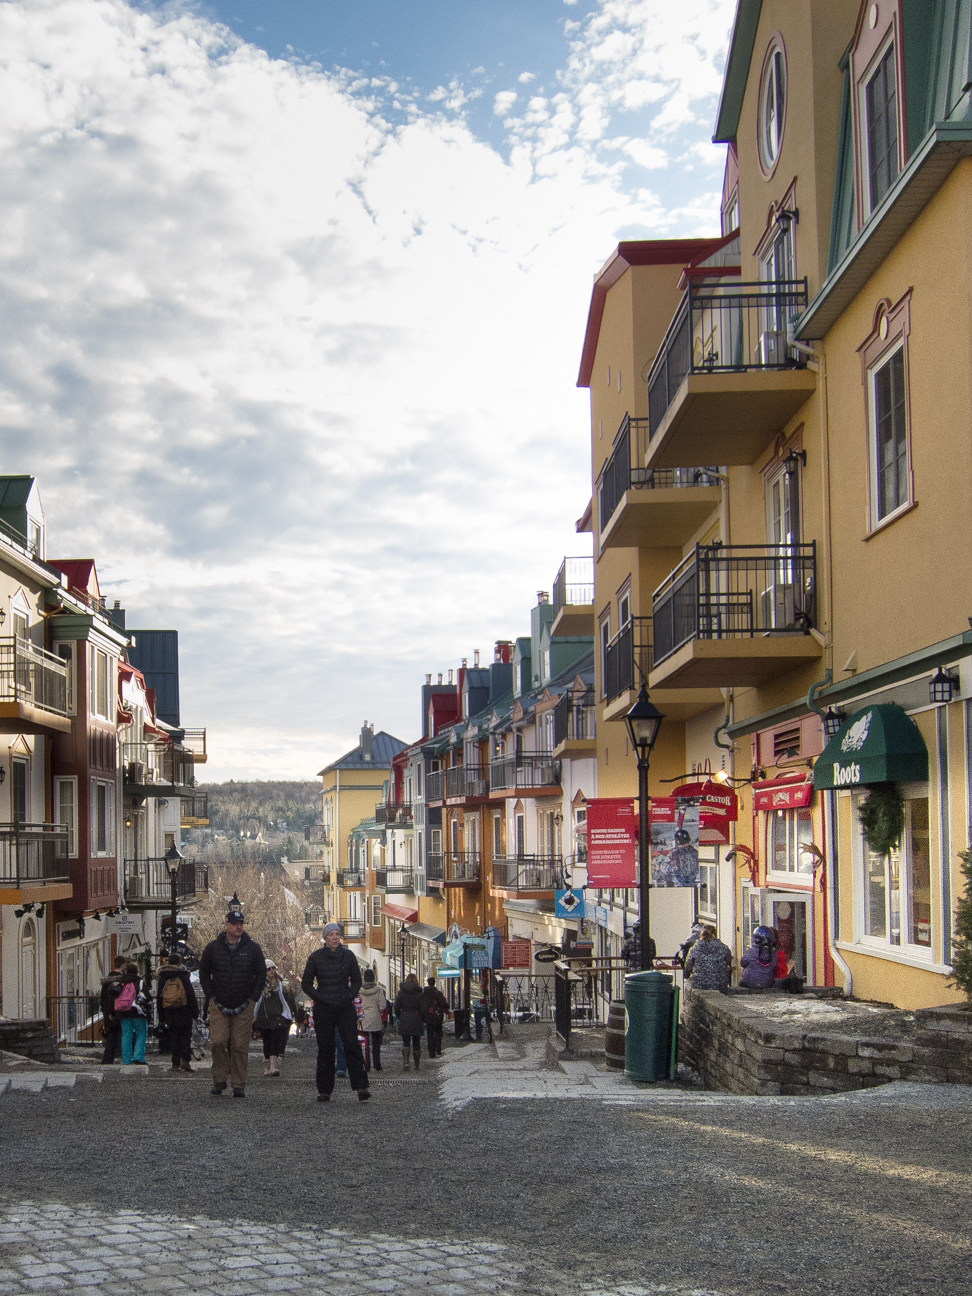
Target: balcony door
x,y
781,599
19,786
28,970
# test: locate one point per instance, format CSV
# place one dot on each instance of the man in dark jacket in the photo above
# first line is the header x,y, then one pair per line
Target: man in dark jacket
x,y
110,986
232,973
175,999
435,1006
332,979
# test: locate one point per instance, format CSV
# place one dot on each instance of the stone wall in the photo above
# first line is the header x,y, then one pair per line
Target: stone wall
x,y
33,1039
738,1047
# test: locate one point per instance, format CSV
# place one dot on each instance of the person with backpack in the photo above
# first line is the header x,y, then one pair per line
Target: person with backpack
x,y
111,1022
759,961
274,1016
177,1006
130,1008
436,1005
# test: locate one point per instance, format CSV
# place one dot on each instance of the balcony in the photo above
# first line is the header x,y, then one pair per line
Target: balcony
x,y
156,770
575,725
392,881
639,506
33,863
435,788
724,381
148,885
627,658
527,873
394,814
195,810
462,869
194,741
735,616
354,930
573,598
350,877
33,689
435,868
466,783
536,773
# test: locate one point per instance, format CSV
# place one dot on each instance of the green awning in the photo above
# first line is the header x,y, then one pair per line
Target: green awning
x,y
879,744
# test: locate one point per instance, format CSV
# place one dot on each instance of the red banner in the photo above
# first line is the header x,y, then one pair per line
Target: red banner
x,y
782,794
718,808
612,842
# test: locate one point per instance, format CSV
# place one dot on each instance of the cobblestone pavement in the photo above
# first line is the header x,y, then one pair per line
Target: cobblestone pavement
x,y
489,1171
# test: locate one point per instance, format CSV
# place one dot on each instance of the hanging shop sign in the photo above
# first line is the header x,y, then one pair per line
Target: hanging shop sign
x,y
516,953
612,842
782,794
879,744
718,808
569,903
674,842
548,955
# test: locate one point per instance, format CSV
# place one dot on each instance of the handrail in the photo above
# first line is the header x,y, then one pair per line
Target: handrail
x,y
574,584
32,675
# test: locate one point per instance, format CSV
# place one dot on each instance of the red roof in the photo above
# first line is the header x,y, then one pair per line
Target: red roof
x,y
80,572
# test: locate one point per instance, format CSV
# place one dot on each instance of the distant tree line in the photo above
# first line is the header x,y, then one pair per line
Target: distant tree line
x,y
261,807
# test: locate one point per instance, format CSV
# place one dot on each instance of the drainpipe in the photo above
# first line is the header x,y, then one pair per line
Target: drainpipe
x,y
829,882
818,361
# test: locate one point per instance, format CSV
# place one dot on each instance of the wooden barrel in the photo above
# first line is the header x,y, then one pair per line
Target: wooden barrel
x,y
614,1036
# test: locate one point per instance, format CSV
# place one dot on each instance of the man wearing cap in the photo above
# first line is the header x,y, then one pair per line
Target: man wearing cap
x,y
232,973
332,979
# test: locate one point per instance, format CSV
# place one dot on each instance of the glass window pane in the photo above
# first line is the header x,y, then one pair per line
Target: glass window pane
x,y
882,128
919,926
876,898
891,443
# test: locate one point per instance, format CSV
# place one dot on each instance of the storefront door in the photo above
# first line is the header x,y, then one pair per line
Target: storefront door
x,y
790,916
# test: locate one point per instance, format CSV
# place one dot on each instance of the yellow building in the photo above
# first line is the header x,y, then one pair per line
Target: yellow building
x,y
781,467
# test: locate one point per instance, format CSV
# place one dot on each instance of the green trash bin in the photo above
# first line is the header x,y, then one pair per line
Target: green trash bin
x,y
648,999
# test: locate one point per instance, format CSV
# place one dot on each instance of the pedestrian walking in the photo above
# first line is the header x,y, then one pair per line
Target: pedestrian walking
x,y
435,1006
709,962
232,973
175,999
111,1022
332,979
130,1007
410,1013
273,1019
374,1014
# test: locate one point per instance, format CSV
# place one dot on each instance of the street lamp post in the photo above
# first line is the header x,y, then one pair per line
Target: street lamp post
x,y
402,933
643,721
173,860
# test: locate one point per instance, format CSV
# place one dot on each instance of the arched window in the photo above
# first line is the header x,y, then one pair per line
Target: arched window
x,y
28,970
772,105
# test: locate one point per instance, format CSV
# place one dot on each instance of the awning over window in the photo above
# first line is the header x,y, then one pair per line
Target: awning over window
x,y
426,932
880,744
402,913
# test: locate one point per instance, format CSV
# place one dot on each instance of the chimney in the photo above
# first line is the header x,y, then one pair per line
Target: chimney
x,y
503,650
440,677
476,658
465,663
543,596
450,676
428,678
367,735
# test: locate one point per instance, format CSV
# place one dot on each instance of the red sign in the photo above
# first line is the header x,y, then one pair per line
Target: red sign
x,y
516,953
662,810
782,794
612,842
718,807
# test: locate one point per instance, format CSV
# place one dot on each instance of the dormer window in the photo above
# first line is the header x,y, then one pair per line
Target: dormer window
x,y
881,128
876,100
772,106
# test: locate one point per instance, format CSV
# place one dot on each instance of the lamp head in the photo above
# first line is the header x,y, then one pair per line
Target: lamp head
x,y
643,722
173,859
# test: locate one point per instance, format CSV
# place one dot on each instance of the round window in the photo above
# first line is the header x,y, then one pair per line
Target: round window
x,y
772,106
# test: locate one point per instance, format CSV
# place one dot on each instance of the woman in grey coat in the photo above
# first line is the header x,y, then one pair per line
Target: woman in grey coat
x,y
373,1014
709,963
411,1019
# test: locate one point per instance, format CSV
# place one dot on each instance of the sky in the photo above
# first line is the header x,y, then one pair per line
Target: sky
x,y
292,295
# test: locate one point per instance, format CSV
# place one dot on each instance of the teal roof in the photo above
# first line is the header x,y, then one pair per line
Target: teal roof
x,y
741,44
15,490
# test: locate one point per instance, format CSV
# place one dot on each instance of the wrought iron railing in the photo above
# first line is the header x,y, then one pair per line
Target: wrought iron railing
x,y
467,781
144,763
76,1019
195,809
33,853
533,770
574,717
350,877
148,883
574,584
15,537
435,786
625,468
31,675
401,880
354,929
735,592
435,866
462,866
524,998
394,813
628,657
725,327
528,872
194,740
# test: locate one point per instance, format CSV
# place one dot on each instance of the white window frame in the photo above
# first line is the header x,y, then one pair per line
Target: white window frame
x,y
708,891
885,359
904,949
865,81
769,152
66,649
109,795
71,822
98,677
801,864
376,914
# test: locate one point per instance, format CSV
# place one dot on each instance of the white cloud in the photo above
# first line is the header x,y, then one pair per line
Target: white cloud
x,y
301,381
525,77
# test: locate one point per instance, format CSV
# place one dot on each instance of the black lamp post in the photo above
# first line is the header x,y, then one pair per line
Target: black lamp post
x,y
173,860
643,721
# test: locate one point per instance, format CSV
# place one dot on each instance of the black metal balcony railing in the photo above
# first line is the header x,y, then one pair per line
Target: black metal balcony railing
x,y
33,853
725,327
400,880
462,866
467,781
574,584
31,675
29,547
574,717
144,763
627,659
435,866
435,786
528,872
534,770
76,1019
350,877
354,929
149,884
195,808
194,740
394,814
735,592
626,469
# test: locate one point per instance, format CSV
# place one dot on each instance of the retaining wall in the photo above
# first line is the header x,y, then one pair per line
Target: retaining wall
x,y
739,1049
33,1039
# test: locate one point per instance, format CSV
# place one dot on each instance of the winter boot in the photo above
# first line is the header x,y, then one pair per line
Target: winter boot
x,y
417,1056
277,1065
405,1056
184,1066
268,1066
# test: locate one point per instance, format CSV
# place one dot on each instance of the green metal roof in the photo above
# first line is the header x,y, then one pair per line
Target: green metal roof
x,y
741,44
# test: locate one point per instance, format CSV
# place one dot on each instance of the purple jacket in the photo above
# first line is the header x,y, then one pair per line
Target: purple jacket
x,y
757,976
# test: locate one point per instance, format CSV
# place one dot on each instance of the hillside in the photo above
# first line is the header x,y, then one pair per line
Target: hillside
x,y
263,807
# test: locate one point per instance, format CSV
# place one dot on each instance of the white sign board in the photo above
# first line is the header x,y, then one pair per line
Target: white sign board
x,y
126,924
